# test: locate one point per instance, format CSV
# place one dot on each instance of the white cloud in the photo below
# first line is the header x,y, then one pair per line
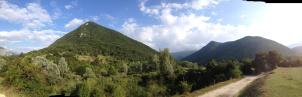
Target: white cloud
x,y
180,28
68,6
180,31
57,12
74,23
280,22
187,32
213,13
26,49
192,4
109,17
32,16
219,20
41,38
147,10
243,16
95,18
71,5
201,4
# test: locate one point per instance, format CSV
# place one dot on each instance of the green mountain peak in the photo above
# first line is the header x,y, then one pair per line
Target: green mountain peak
x,y
93,39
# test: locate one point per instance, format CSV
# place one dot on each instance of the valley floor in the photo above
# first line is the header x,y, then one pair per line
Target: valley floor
x,y
232,89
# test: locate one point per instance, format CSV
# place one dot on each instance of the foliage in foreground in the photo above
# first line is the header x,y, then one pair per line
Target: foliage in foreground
x,y
43,75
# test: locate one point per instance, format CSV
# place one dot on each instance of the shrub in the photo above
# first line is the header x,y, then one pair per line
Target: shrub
x,y
185,87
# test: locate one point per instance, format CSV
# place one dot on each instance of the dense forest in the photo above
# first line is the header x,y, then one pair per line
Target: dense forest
x,y
42,76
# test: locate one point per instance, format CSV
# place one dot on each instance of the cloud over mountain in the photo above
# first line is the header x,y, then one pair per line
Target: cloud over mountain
x,y
180,26
74,23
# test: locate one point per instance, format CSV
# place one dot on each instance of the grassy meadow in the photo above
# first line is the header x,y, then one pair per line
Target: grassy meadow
x,y
282,82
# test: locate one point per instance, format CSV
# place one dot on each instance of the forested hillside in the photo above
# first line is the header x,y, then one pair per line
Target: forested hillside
x,y
246,47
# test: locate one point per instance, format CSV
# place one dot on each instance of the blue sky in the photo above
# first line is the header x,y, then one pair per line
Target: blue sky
x,y
27,25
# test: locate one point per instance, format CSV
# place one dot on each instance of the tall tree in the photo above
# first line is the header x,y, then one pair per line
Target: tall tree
x,y
260,63
167,63
2,63
273,59
233,69
211,65
155,61
63,66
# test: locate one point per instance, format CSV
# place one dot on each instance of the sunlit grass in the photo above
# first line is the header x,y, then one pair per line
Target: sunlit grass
x,y
284,82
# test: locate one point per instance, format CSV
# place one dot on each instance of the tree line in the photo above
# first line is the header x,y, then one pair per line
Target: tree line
x,y
43,75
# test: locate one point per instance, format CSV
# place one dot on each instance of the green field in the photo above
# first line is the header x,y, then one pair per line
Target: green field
x,y
282,82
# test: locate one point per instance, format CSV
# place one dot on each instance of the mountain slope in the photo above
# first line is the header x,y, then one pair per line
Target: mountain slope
x,y
93,39
297,50
245,47
182,54
5,52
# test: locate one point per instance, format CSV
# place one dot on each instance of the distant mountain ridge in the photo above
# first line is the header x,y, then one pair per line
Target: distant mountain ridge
x,y
182,54
297,50
245,47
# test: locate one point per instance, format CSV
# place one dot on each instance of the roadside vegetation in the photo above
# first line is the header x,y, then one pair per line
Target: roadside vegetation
x,y
43,75
207,89
254,89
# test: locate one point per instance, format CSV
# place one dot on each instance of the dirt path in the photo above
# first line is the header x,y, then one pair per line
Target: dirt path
x,y
232,89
